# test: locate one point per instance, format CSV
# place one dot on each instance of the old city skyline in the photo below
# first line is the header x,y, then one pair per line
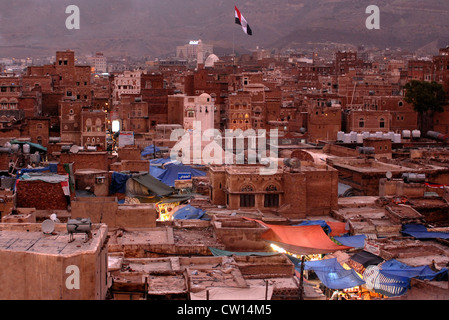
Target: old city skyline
x,y
254,164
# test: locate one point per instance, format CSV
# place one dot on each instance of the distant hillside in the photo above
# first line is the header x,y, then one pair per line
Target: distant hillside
x,y
154,28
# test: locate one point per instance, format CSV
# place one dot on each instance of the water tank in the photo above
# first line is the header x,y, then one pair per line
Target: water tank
x,y
365,134
340,135
347,138
54,139
353,137
65,148
91,148
416,134
366,150
7,145
26,148
379,134
406,134
386,136
437,135
15,148
413,177
5,149
79,225
359,138
391,135
397,138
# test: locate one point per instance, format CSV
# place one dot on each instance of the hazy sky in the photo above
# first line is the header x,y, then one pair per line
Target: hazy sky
x,y
157,26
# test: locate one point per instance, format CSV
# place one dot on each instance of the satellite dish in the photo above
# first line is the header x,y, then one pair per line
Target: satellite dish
x,y
48,226
388,175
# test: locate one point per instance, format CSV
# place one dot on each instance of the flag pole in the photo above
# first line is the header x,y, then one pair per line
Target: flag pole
x,y
233,41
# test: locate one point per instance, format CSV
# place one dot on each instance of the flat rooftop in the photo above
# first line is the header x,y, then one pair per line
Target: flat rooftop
x,y
28,237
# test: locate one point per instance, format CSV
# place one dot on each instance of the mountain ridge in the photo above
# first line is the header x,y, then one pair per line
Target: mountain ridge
x,y
155,28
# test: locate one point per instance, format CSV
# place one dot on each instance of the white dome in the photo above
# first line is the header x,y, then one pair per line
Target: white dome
x,y
210,61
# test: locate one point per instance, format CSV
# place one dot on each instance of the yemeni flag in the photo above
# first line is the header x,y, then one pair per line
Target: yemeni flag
x,y
239,19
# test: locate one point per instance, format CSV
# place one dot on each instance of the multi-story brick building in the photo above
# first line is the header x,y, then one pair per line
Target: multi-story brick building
x,y
93,129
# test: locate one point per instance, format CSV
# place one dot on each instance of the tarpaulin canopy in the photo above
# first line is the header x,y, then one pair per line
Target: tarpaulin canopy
x,y
321,223
331,273
159,161
392,278
171,173
366,258
153,184
300,239
357,241
31,144
177,198
330,227
44,176
149,150
189,212
156,171
118,182
219,252
419,231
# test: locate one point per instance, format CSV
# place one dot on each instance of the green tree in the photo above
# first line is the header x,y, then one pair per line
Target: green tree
x,y
426,98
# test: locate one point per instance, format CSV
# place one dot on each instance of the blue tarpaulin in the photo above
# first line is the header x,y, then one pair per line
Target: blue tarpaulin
x,y
419,231
331,273
160,161
392,278
321,223
171,173
50,168
149,150
357,241
118,183
156,171
189,212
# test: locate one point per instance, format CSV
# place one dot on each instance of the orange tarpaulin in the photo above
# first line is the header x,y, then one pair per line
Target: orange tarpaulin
x,y
309,239
337,228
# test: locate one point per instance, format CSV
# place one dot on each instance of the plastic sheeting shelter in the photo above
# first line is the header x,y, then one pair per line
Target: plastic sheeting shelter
x,y
392,278
31,144
156,171
171,173
189,212
219,252
419,231
300,239
149,150
119,183
331,228
357,241
331,273
153,184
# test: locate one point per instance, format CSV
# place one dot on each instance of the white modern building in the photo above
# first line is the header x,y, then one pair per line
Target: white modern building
x,y
194,50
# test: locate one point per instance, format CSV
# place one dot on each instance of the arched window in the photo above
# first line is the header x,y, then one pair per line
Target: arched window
x,y
271,200
247,199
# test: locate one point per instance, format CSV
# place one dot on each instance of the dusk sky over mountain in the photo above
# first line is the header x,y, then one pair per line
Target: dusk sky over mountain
x,y
148,27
